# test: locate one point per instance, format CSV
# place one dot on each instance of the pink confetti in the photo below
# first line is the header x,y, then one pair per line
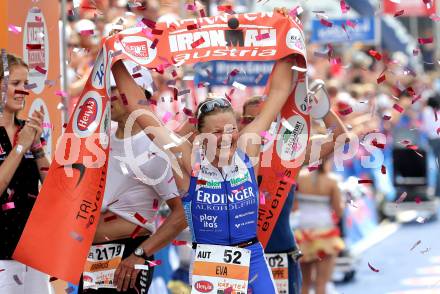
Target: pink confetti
x,y
110,218
351,24
190,7
258,78
179,242
266,135
344,7
398,107
375,54
197,43
14,29
262,36
193,120
40,70
373,268
262,198
192,27
8,206
154,44
386,117
346,111
86,32
326,23
202,13
435,17
383,169
224,8
33,46
381,79
157,32
401,198
418,200
166,117
365,181
154,262
399,13
149,23
155,204
140,218
423,41
61,93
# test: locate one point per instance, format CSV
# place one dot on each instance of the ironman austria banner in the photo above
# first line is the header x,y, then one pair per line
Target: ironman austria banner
x,y
62,224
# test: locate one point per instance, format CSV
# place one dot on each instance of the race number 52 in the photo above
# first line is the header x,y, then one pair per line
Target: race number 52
x,y
219,267
232,256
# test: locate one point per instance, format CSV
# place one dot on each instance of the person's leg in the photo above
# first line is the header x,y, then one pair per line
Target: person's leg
x,y
324,270
260,275
306,270
295,278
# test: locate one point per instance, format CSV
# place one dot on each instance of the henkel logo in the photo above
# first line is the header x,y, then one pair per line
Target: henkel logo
x,y
204,286
87,115
138,48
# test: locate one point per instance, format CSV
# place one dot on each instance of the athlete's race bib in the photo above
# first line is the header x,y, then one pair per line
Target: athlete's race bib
x,y
217,268
280,270
101,264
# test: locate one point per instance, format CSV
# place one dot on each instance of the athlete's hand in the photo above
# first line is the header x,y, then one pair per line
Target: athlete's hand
x,y
282,10
125,274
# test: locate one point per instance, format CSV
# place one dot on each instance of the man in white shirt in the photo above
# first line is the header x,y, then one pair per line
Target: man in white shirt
x,y
139,180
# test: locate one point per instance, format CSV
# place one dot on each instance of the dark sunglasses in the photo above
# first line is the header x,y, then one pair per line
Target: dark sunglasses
x,y
212,104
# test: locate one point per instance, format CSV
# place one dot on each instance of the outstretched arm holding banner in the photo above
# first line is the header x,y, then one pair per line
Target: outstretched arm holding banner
x,y
63,222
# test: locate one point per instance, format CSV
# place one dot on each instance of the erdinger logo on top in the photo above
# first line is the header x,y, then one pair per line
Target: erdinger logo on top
x,y
87,115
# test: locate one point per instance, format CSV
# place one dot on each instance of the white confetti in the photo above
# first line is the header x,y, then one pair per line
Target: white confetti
x,y
239,86
142,267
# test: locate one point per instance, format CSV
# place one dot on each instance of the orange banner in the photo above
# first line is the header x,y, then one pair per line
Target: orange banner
x,y
62,224
33,34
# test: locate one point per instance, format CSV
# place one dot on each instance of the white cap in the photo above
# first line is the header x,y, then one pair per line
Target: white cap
x,y
84,25
145,81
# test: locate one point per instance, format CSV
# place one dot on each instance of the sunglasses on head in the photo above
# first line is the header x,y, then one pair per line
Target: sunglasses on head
x,y
212,104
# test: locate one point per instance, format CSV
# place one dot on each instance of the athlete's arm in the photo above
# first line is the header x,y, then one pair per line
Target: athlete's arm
x,y
280,88
178,149
125,274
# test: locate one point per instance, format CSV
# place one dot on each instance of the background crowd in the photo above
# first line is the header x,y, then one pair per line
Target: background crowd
x,y
371,88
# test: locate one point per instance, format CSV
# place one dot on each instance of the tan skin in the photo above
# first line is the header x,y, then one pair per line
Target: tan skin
x,y
328,187
215,123
29,135
125,275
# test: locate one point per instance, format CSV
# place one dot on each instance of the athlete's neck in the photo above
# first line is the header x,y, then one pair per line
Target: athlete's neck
x,y
120,131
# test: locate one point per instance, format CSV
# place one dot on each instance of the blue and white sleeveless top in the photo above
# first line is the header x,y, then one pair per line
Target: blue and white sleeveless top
x,y
222,207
